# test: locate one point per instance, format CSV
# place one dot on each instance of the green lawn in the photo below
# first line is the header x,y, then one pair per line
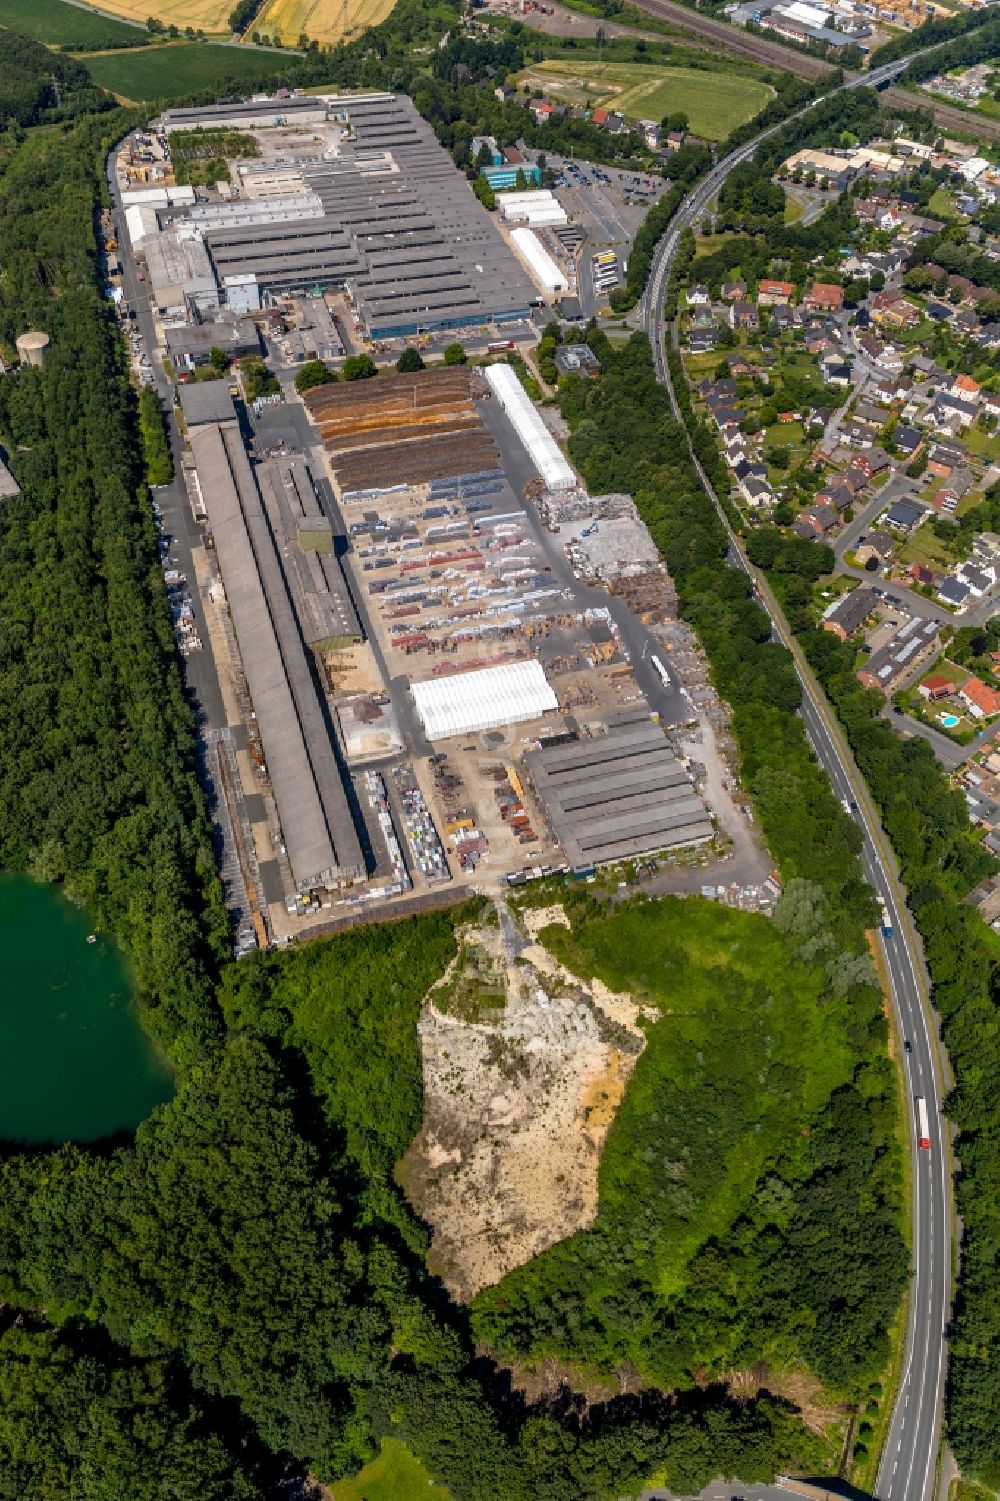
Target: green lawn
x,y
784,435
396,1475
59,24
946,669
715,103
924,547
942,202
986,445
187,68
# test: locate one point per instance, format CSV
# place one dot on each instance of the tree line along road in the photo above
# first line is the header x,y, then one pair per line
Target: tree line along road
x,y
908,1468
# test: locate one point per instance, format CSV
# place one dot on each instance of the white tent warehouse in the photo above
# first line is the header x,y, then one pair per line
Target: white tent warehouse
x,y
485,699
544,271
542,447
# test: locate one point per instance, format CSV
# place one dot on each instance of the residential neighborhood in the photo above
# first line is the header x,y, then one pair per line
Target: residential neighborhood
x,y
855,398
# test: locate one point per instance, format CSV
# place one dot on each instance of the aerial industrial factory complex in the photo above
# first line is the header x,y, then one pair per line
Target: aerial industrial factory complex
x,y
439,659
345,192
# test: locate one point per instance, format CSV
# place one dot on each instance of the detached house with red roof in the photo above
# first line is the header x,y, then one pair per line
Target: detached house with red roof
x,y
982,702
775,293
824,297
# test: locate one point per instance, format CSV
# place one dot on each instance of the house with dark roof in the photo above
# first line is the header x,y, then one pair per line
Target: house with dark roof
x,y
952,591
901,655
819,519
875,546
743,314
849,613
873,462
904,516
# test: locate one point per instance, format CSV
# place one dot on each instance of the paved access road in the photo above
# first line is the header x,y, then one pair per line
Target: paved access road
x,y
908,1467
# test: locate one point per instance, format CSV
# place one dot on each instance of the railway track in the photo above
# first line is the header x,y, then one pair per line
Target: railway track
x,y
734,39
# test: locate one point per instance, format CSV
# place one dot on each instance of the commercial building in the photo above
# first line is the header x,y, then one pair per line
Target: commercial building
x,y
316,824
543,269
180,275
191,345
538,210
247,114
506,176
849,613
487,699
617,796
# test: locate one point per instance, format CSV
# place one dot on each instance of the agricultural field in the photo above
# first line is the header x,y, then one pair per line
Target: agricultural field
x,y
182,68
203,15
61,25
715,103
325,21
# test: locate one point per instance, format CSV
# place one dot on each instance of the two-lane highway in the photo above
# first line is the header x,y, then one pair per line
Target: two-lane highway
x,y
908,1468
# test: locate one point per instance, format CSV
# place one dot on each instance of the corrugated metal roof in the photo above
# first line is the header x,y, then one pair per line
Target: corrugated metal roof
x,y
468,702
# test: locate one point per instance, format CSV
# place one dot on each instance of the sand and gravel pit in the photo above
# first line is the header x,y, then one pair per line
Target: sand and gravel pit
x,y
524,1069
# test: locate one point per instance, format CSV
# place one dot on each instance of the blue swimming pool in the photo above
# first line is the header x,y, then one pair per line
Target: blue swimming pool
x,y
949,721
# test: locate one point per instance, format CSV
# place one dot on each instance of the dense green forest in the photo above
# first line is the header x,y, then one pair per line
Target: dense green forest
x,y
153,432
97,770
38,86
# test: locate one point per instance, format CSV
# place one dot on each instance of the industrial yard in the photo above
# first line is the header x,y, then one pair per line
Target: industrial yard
x,y
433,660
432,695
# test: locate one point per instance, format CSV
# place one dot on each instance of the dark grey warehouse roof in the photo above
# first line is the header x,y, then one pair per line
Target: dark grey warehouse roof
x,y
264,110
618,795
207,401
413,243
316,822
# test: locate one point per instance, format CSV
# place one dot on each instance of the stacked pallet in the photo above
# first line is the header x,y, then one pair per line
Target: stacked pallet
x,y
402,428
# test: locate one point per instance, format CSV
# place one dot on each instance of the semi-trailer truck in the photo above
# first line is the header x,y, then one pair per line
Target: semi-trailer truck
x,y
661,672
923,1124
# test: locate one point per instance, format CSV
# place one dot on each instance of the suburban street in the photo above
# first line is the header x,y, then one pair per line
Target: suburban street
x,y
908,1467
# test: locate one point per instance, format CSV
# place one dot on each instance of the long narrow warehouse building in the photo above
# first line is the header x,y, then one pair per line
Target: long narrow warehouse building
x,y
618,795
316,823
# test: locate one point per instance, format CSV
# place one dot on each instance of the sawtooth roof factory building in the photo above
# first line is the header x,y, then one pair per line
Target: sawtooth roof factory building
x,y
363,198
275,553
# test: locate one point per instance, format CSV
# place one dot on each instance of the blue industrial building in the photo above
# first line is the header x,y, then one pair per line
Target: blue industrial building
x,y
505,176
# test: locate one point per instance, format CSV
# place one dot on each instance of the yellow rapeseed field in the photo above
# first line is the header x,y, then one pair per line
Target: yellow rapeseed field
x,y
209,15
325,21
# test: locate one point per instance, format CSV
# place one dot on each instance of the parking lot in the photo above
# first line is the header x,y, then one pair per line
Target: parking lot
x,y
608,206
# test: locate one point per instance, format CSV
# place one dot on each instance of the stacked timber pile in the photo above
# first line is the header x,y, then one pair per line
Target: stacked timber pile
x,y
403,429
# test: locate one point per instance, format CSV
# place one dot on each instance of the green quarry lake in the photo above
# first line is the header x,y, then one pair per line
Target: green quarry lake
x,y
75,1064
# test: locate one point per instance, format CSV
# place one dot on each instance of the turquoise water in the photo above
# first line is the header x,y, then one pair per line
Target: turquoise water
x,y
75,1064
949,721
